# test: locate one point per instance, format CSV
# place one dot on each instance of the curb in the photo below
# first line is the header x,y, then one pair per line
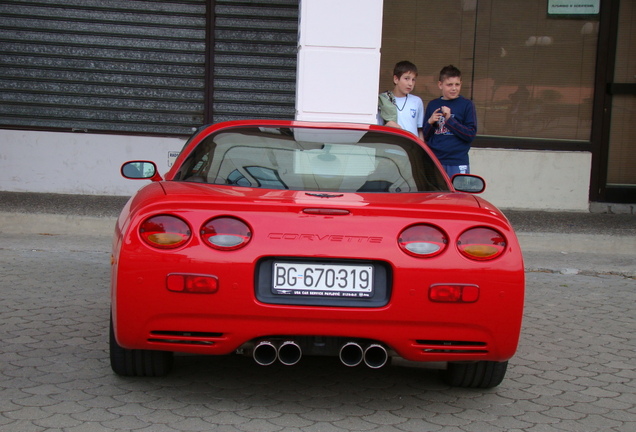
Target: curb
x,y
56,224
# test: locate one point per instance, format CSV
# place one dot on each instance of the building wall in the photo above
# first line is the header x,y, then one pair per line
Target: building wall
x,y
77,163
71,163
339,60
338,73
534,179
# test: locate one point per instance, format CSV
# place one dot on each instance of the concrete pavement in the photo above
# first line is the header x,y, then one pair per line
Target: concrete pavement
x,y
574,370
563,242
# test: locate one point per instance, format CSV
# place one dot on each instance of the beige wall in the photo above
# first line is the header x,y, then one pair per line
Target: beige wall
x,y
77,163
532,179
89,164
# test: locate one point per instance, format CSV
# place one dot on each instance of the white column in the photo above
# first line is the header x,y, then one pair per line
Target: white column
x,y
339,60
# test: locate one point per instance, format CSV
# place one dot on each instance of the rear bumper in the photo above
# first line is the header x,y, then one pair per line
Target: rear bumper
x,y
219,333
146,315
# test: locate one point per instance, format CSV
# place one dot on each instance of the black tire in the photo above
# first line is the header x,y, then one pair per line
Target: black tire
x,y
481,374
138,363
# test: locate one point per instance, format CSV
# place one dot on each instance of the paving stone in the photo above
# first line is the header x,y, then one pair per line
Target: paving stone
x,y
57,421
417,425
160,428
23,426
294,421
228,418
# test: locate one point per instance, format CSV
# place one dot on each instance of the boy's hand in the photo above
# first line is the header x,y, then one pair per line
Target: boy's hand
x,y
446,112
436,115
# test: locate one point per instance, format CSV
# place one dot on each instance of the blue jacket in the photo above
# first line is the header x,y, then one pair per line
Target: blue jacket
x,y
452,142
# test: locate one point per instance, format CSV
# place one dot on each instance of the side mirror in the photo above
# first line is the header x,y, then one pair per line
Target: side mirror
x,y
469,183
140,170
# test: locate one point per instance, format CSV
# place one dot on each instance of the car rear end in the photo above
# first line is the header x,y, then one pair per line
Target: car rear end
x,y
215,269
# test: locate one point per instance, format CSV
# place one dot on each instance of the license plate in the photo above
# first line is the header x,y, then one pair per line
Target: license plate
x,y
323,280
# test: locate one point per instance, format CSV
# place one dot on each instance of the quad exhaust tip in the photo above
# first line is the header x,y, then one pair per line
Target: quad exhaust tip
x,y
375,356
289,353
351,354
265,353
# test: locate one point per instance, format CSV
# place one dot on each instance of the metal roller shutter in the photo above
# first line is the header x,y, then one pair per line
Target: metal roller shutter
x,y
93,65
255,48
135,66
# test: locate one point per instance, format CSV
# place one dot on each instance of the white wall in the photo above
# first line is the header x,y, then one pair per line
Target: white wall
x,y
339,60
76,163
70,163
533,179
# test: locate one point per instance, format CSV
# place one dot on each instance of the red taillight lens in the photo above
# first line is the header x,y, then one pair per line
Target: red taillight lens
x,y
422,241
194,284
226,233
165,231
453,293
481,243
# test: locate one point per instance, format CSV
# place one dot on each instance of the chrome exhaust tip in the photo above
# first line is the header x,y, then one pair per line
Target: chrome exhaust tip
x,y
265,353
375,356
351,354
289,353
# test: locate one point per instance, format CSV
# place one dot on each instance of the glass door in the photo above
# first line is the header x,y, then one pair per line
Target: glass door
x,y
621,166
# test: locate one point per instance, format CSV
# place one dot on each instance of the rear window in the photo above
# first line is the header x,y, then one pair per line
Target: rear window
x,y
308,159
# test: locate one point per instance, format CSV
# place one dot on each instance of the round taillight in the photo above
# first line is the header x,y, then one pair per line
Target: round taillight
x,y
481,243
165,231
226,233
422,241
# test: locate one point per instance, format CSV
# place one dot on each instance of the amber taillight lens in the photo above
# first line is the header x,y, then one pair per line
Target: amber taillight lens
x,y
226,233
481,243
165,231
422,241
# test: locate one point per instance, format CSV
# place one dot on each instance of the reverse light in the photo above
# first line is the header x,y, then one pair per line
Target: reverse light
x,y
422,241
451,293
481,243
192,284
226,233
165,231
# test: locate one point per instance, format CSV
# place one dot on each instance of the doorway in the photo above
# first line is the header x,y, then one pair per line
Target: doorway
x,y
620,182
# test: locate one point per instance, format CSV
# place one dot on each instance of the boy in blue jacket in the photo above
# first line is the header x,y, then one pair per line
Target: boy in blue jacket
x,y
452,123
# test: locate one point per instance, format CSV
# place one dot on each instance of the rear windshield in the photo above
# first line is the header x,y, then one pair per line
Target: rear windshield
x,y
307,159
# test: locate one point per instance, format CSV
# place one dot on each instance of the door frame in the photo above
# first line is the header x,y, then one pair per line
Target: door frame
x,y
604,90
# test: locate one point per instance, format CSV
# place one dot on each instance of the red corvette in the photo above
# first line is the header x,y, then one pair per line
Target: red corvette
x,y
279,239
